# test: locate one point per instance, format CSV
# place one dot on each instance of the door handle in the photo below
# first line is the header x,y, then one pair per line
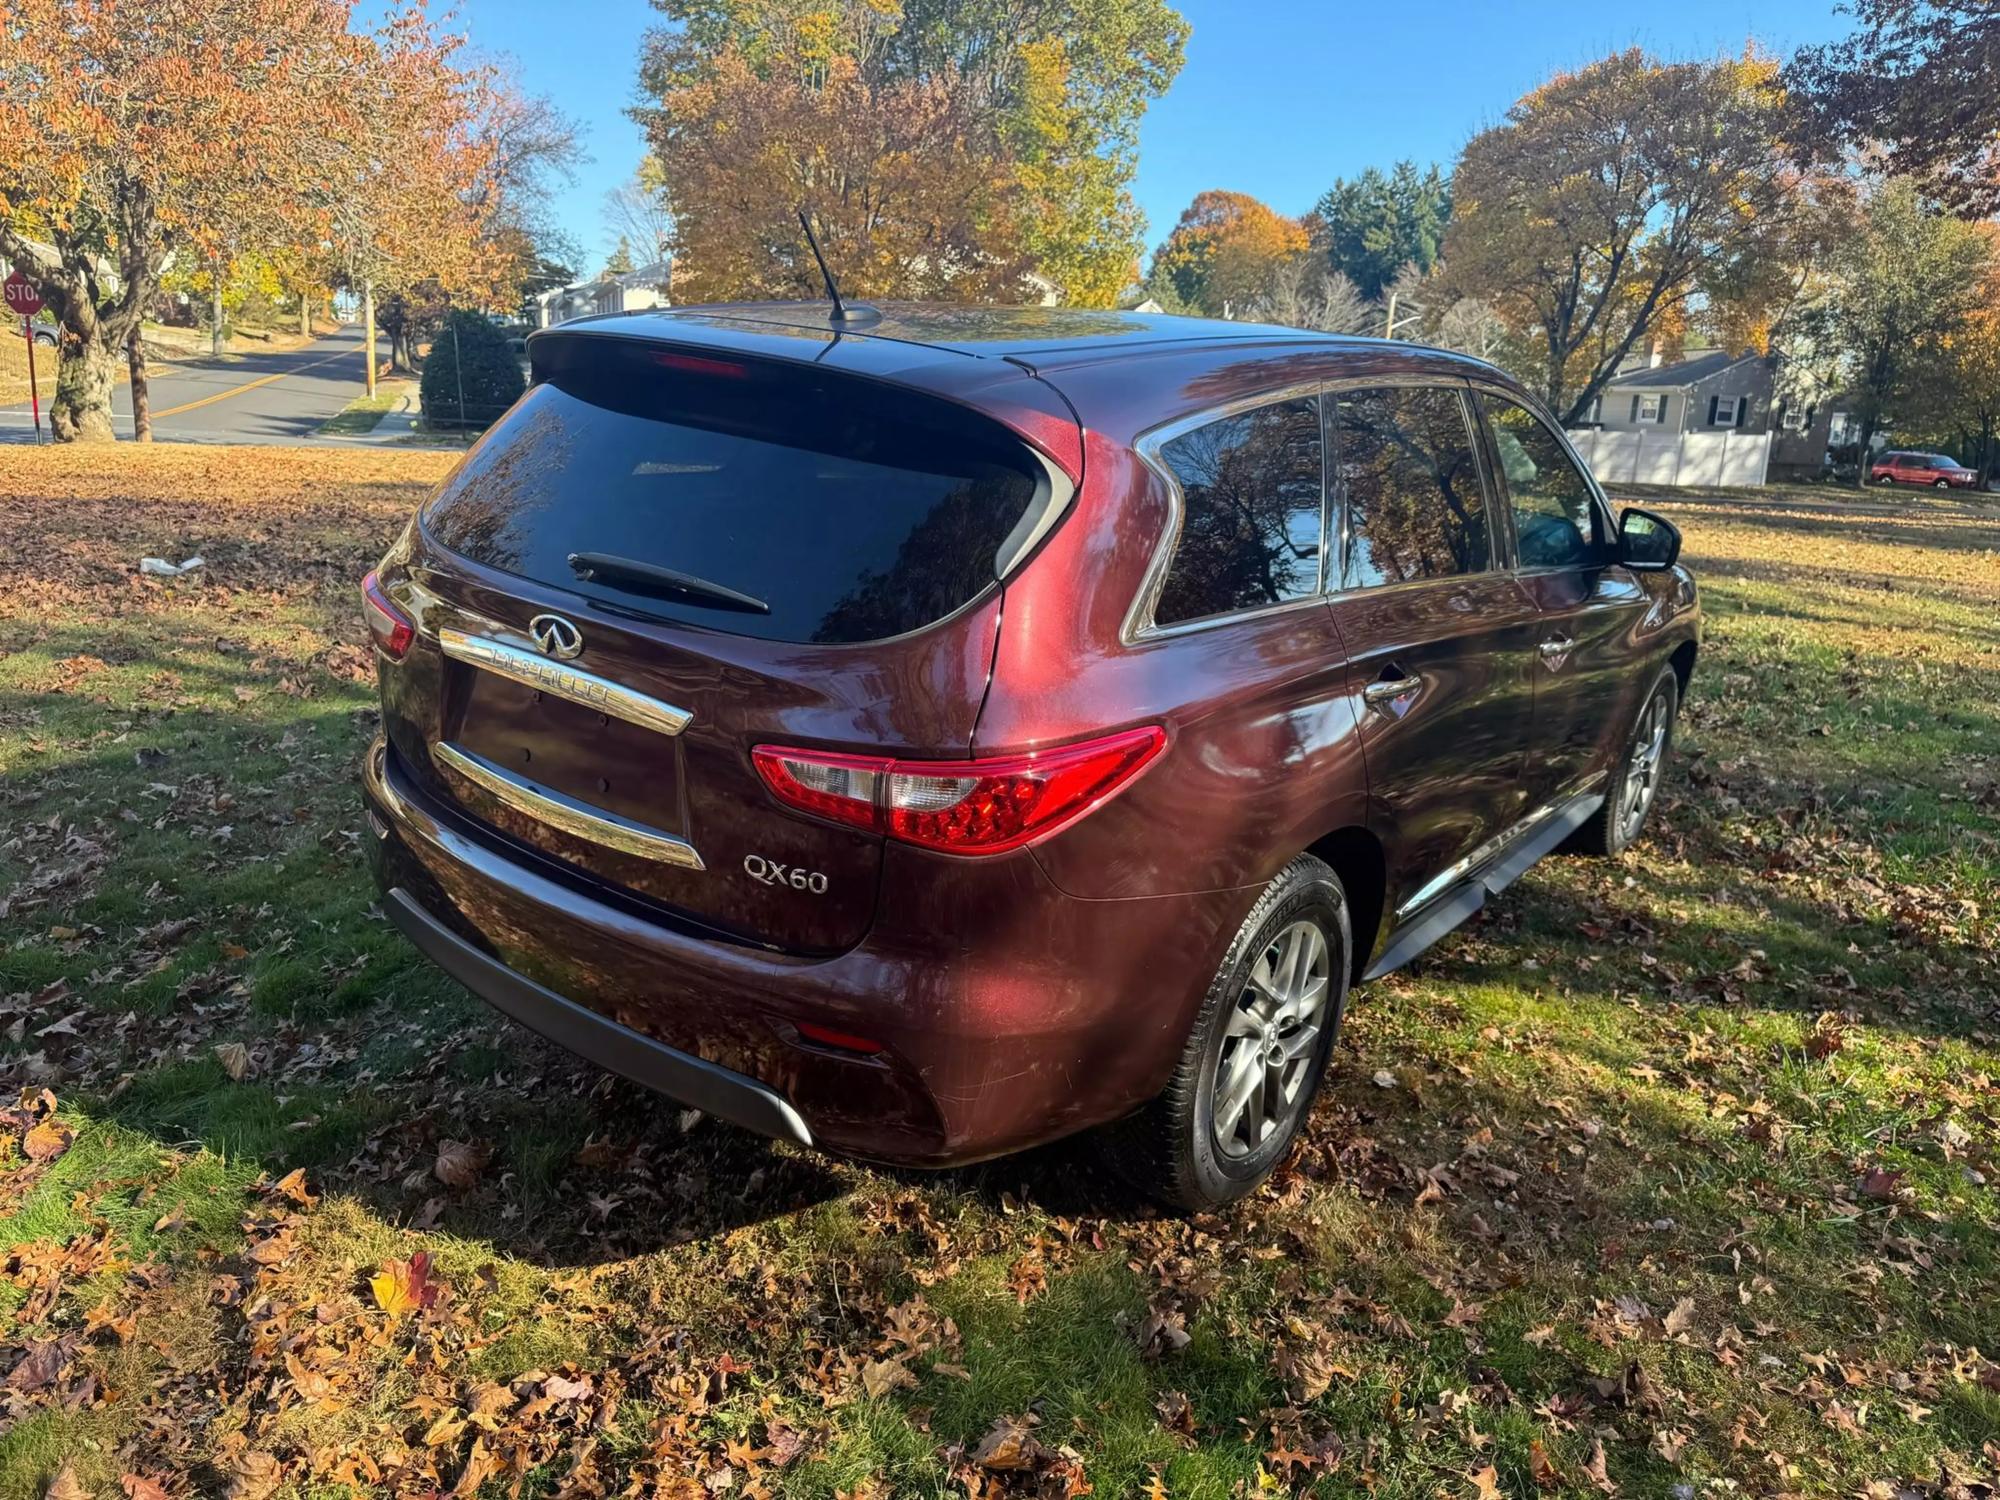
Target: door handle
x,y
1555,649
1385,693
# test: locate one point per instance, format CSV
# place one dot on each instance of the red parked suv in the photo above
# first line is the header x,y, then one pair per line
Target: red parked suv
x,y
926,741
1932,469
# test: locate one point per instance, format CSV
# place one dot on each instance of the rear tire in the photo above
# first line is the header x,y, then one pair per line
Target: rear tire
x,y
1254,1060
1940,484
1635,780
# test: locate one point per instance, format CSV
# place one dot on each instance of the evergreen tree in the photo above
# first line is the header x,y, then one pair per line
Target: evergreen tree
x,y
1371,226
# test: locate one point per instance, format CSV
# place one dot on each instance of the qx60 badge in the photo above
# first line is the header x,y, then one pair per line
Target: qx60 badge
x,y
770,872
556,636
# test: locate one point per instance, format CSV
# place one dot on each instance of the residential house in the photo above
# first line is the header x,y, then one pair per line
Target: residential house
x,y
1710,392
1812,432
627,291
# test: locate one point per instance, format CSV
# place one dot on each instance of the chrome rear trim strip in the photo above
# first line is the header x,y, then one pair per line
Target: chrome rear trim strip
x,y
571,683
573,818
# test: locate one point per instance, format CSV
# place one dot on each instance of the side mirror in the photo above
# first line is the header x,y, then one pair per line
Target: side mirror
x,y
1646,542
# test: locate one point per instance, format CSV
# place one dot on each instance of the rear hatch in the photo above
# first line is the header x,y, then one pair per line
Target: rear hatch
x,y
666,555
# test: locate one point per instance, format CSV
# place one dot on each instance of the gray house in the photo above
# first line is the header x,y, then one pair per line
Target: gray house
x,y
1710,392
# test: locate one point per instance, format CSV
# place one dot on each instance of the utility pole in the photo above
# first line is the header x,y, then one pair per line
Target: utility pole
x,y
215,308
368,330
1391,323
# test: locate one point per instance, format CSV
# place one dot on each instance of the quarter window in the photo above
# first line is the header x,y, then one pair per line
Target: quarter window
x,y
1556,522
1251,512
1405,472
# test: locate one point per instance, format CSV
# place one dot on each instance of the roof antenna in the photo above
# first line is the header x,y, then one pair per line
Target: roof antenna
x,y
860,314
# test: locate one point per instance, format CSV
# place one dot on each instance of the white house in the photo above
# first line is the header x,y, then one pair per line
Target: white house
x,y
1709,392
628,291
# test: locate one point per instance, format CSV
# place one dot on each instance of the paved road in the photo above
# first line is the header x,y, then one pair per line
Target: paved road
x,y
251,398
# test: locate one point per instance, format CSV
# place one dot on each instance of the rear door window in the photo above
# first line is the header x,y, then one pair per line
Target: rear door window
x,y
849,511
1251,512
1403,470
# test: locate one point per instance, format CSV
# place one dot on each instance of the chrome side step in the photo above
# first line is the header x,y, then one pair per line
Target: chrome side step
x,y
1449,909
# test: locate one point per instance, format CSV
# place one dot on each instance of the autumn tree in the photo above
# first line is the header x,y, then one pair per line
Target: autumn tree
x,y
1300,292
637,212
908,191
414,178
1049,93
1605,198
1225,250
1899,292
1369,227
123,142
1919,82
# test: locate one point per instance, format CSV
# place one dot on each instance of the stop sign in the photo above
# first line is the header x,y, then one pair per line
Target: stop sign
x,y
21,297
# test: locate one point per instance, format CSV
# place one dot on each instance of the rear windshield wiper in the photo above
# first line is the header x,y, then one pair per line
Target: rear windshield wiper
x,y
651,578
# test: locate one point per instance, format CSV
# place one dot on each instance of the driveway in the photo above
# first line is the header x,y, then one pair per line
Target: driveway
x,y
250,398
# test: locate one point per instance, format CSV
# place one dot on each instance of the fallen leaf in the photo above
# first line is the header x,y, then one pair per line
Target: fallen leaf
x,y
460,1164
253,1476
1008,1445
1542,1468
1881,1184
47,1140
881,1376
139,1487
1486,1484
66,1486
235,1060
404,1286
1595,1469
1679,1318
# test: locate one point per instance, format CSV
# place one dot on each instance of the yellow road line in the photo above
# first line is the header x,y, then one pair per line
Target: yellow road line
x,y
249,385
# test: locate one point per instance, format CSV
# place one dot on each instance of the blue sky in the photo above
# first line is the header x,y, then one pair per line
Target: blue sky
x,y
1278,98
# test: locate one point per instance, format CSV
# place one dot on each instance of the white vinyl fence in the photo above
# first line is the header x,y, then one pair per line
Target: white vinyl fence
x,y
1644,457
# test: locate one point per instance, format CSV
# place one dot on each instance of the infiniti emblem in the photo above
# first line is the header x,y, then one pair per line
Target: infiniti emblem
x,y
556,636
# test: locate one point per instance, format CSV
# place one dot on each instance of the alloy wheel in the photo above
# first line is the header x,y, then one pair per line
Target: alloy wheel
x,y
1270,1043
1643,767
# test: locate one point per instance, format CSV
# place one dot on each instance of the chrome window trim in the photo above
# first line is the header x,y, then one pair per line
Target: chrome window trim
x,y
1139,625
566,816
559,679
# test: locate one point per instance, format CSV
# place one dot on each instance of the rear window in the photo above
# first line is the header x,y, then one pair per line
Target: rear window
x,y
851,511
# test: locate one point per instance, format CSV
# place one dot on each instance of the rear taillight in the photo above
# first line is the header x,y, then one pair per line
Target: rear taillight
x,y
392,629
960,806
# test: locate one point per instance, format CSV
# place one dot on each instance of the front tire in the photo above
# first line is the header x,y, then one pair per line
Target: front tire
x,y
1940,484
1635,781
1254,1060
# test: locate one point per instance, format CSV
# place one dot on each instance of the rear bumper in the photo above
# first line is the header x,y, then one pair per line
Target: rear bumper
x,y
618,1049
1008,1013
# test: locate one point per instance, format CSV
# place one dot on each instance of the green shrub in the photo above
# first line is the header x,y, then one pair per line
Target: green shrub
x,y
470,376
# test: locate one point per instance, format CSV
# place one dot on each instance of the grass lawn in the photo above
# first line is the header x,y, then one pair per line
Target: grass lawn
x,y
362,414
1672,1175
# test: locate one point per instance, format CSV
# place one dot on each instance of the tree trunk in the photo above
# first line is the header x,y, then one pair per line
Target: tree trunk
x,y
81,410
368,330
142,404
305,314
1864,452
215,315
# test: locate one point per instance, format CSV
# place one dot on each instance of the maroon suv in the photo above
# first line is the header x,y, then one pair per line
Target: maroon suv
x,y
1932,469
928,741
